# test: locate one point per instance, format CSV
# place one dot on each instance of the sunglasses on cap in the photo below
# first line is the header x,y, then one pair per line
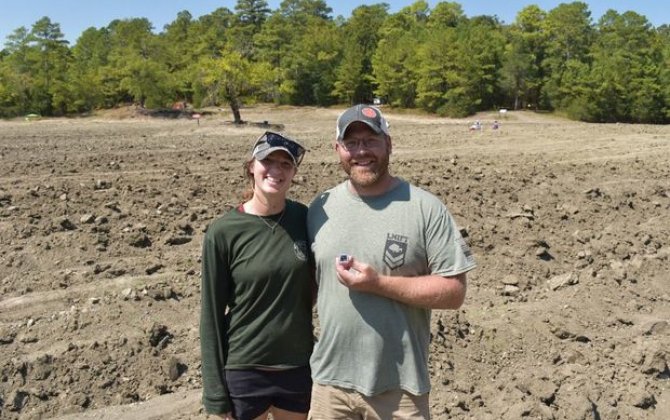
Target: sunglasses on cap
x,y
269,142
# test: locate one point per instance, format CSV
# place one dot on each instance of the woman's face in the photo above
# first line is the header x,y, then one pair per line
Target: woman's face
x,y
273,175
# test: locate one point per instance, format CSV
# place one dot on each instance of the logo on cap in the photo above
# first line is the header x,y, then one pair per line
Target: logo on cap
x,y
369,112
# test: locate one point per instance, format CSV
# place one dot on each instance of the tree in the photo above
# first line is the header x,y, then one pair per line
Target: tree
x,y
211,33
231,79
438,60
569,36
310,64
663,43
446,15
250,16
177,53
147,82
299,10
625,75
135,68
33,75
395,60
457,71
354,82
252,13
438,77
86,71
16,77
521,76
49,82
300,41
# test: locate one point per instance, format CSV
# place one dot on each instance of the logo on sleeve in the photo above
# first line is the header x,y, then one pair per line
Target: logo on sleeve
x,y
465,249
300,249
395,250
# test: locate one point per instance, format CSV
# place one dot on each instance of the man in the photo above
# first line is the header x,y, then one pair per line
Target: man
x,y
386,253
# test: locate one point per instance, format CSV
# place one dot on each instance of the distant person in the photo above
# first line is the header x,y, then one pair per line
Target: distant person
x,y
495,125
257,290
386,253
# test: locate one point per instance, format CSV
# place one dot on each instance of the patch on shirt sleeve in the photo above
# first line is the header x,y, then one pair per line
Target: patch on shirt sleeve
x,y
465,249
300,249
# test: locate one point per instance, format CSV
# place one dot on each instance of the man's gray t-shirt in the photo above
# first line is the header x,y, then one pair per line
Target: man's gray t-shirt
x,y
367,342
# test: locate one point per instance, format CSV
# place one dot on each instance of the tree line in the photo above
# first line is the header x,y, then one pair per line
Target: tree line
x,y
435,59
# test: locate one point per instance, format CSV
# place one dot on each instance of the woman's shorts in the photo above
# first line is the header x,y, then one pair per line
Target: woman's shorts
x,y
252,392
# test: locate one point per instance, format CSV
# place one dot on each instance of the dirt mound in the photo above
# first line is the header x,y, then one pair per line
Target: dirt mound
x,y
101,222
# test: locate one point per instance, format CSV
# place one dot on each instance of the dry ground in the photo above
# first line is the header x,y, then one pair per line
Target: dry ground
x,y
566,316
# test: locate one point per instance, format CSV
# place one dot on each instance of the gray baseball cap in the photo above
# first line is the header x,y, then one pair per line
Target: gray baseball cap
x,y
270,142
367,114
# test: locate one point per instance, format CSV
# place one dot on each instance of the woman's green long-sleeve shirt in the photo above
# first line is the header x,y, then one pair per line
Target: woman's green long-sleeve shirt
x,y
256,304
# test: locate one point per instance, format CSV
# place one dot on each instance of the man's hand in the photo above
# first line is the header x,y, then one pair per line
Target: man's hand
x,y
428,291
357,275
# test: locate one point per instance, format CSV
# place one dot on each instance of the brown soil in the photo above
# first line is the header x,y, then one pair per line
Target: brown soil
x,y
567,315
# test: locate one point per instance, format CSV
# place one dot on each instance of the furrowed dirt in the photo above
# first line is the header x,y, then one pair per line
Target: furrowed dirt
x,y
567,315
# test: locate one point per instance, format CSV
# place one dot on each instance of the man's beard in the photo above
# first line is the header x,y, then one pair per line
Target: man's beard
x,y
367,177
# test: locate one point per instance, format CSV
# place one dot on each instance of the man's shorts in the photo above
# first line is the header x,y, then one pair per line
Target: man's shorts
x,y
252,392
335,403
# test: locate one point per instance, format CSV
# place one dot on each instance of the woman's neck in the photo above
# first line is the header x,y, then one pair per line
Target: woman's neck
x,y
264,206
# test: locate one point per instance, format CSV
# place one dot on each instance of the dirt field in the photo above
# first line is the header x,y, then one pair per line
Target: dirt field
x,y
567,315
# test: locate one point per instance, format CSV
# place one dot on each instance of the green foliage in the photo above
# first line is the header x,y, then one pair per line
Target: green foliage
x,y
210,33
353,77
625,70
438,59
458,68
521,75
310,64
252,13
438,75
86,89
395,62
299,10
446,15
231,79
305,56
146,82
662,42
569,36
16,77
33,73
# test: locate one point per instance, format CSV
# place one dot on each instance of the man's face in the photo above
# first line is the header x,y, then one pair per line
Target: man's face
x,y
364,155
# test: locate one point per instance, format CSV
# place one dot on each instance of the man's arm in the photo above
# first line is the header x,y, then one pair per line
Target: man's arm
x,y
431,291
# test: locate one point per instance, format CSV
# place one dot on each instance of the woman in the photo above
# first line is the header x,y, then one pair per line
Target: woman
x,y
256,317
